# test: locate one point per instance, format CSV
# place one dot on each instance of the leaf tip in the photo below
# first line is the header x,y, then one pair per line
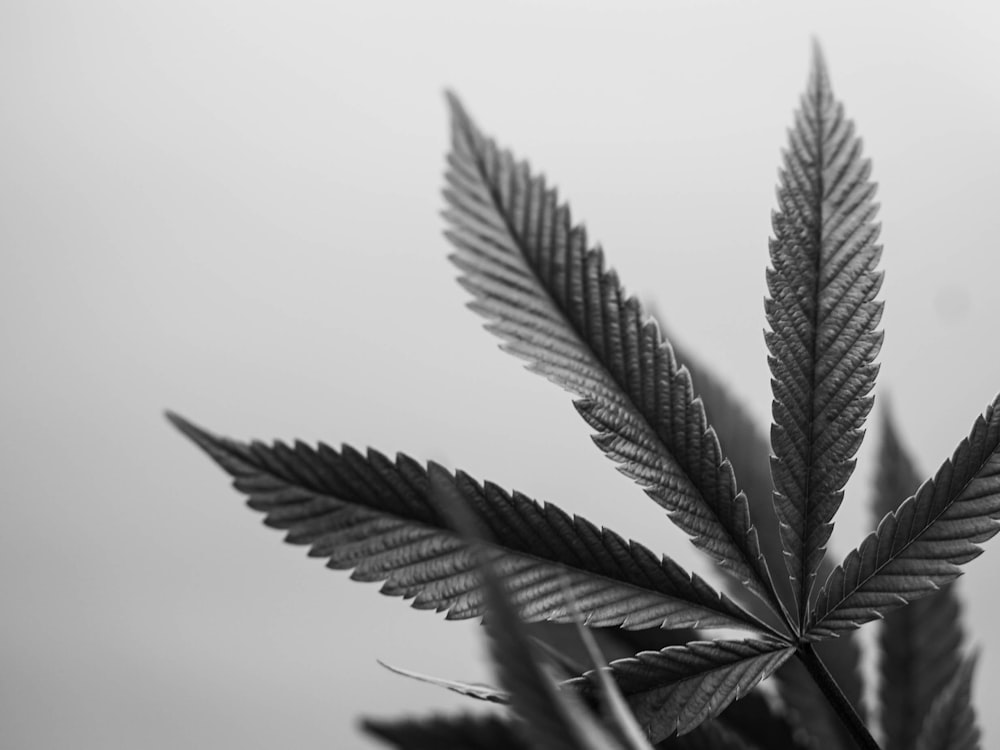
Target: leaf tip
x,y
460,119
174,418
819,69
189,429
451,97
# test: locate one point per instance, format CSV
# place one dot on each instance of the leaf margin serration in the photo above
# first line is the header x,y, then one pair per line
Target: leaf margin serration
x,y
552,302
823,313
584,552
922,565
721,672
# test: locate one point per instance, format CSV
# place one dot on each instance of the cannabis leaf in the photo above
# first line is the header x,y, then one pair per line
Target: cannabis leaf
x,y
822,313
472,549
675,689
374,515
667,686
549,297
920,644
918,547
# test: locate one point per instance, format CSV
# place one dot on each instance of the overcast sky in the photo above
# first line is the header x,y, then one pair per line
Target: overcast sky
x,y
231,209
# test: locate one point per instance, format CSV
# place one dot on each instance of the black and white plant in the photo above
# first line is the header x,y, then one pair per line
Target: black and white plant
x,y
763,511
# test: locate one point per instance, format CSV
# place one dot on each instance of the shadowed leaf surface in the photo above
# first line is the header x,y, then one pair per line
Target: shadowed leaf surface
x,y
918,547
761,725
811,711
373,515
710,735
548,295
676,689
823,314
920,644
951,723
496,733
466,732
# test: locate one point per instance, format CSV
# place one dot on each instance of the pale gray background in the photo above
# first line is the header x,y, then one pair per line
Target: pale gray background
x,y
231,209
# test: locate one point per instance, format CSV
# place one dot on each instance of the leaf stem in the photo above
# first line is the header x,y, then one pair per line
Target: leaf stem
x,y
807,654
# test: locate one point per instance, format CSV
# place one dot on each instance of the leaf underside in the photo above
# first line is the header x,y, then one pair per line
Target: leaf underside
x,y
674,690
374,515
823,314
551,300
920,644
917,548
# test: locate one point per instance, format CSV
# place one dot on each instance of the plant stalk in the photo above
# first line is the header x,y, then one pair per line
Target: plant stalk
x,y
807,654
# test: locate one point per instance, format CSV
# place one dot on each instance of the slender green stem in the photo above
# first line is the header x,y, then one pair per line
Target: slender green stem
x,y
807,653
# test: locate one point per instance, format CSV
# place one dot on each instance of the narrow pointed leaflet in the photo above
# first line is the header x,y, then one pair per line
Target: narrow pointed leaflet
x,y
462,732
822,314
920,644
674,690
374,515
918,547
549,297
